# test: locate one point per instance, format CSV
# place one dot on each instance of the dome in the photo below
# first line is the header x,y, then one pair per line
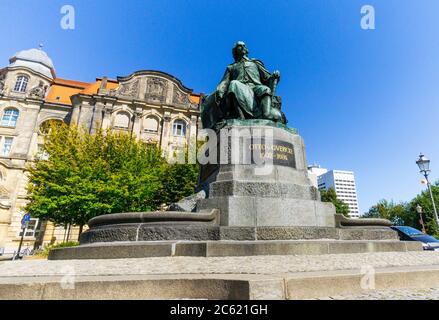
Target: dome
x,y
35,59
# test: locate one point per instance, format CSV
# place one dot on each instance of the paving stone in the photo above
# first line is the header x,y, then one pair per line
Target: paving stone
x,y
399,294
220,265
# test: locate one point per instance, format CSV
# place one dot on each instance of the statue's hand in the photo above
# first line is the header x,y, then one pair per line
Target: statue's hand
x,y
276,74
218,96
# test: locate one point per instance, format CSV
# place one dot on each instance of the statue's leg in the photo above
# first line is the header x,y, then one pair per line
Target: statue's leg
x,y
268,111
266,103
243,99
233,107
266,106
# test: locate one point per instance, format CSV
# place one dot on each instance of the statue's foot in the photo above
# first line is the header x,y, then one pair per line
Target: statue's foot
x,y
274,115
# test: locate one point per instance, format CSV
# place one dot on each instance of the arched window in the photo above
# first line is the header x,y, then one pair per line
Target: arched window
x,y
21,84
47,125
151,124
179,128
122,120
10,117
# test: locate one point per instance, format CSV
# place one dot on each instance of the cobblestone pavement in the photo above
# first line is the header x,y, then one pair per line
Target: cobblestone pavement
x,y
401,294
223,265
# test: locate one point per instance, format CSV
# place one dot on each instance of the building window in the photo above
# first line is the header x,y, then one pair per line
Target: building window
x,y
21,84
151,124
7,145
179,128
42,153
122,120
10,117
33,228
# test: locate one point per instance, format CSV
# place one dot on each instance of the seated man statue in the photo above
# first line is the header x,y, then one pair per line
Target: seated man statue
x,y
245,92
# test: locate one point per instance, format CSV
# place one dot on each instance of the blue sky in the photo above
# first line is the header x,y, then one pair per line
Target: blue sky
x,y
363,100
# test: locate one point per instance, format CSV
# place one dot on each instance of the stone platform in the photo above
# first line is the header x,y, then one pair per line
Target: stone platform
x,y
247,278
227,248
136,232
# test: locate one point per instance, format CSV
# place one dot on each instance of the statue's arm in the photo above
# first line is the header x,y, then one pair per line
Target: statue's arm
x,y
265,75
222,87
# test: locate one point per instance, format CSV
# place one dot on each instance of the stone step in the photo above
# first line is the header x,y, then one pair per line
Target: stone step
x,y
123,287
305,285
356,282
118,250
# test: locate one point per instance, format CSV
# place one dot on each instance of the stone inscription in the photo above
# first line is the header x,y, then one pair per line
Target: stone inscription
x,y
279,152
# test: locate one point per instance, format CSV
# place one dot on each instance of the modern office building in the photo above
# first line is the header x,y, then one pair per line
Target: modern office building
x,y
314,171
343,182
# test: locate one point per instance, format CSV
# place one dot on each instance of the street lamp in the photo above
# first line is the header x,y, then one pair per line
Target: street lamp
x,y
421,220
424,168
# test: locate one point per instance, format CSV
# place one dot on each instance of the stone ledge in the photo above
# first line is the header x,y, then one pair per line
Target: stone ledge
x,y
324,284
125,288
296,286
227,248
263,189
163,232
157,217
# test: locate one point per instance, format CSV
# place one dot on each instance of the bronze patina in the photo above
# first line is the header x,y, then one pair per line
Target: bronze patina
x,y
246,91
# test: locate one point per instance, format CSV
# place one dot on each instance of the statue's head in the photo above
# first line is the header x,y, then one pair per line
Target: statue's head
x,y
239,50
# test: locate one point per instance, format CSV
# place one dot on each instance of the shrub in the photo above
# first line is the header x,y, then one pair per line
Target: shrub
x,y
44,253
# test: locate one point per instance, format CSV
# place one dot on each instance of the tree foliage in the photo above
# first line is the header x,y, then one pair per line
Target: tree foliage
x,y
405,213
87,175
388,210
331,196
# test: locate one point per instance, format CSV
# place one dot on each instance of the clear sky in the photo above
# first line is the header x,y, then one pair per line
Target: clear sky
x,y
363,100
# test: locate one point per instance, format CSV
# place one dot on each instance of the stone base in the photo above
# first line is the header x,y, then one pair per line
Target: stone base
x,y
227,248
136,232
245,211
274,192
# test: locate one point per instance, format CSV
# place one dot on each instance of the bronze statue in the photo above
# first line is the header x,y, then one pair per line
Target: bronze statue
x,y
247,91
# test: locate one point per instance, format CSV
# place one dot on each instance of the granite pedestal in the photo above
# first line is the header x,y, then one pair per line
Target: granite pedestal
x,y
264,181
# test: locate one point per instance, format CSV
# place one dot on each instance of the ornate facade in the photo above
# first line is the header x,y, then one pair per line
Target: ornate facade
x,y
152,105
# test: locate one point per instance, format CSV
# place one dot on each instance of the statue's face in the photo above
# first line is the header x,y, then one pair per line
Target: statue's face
x,y
240,50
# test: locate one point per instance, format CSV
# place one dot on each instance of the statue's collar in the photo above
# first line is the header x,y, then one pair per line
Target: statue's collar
x,y
243,59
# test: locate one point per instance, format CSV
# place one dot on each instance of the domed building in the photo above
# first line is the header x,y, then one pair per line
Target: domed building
x,y
152,105
34,59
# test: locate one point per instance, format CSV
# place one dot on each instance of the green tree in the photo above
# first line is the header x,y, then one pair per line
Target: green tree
x,y
424,200
87,175
406,214
397,213
179,182
331,196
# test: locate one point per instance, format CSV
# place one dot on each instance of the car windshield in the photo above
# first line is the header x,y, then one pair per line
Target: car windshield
x,y
410,231
424,238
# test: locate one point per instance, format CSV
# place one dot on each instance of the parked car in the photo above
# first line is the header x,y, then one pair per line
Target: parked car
x,y
412,234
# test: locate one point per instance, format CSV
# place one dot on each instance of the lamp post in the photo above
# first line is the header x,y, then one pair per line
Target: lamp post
x,y
421,220
424,168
